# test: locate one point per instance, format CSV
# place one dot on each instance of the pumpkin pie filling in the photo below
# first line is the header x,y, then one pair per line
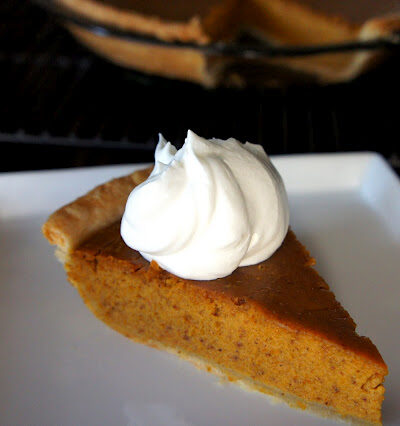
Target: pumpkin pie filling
x,y
275,323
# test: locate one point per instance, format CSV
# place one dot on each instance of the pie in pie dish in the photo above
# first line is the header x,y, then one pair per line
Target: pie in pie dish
x,y
280,22
274,326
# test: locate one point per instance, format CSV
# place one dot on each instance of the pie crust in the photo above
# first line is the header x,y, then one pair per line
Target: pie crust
x,y
281,22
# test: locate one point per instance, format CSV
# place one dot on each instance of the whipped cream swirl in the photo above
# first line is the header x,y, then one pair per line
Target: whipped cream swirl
x,y
207,208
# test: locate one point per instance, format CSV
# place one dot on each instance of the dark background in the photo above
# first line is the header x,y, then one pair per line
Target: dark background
x,y
60,106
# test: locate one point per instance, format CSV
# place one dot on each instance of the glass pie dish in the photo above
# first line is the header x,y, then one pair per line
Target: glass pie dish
x,y
236,43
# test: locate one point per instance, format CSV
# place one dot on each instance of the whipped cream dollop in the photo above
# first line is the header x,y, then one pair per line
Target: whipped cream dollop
x,y
207,208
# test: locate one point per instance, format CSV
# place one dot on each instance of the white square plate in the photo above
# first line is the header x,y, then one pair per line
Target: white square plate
x,y
61,366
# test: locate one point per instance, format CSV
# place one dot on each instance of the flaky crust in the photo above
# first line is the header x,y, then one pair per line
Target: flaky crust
x,y
193,30
103,205
315,27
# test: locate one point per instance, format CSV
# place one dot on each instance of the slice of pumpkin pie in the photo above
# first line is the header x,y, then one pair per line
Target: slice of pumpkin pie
x,y
273,324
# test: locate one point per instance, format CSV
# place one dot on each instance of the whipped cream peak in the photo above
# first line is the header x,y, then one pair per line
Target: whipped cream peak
x,y
207,208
